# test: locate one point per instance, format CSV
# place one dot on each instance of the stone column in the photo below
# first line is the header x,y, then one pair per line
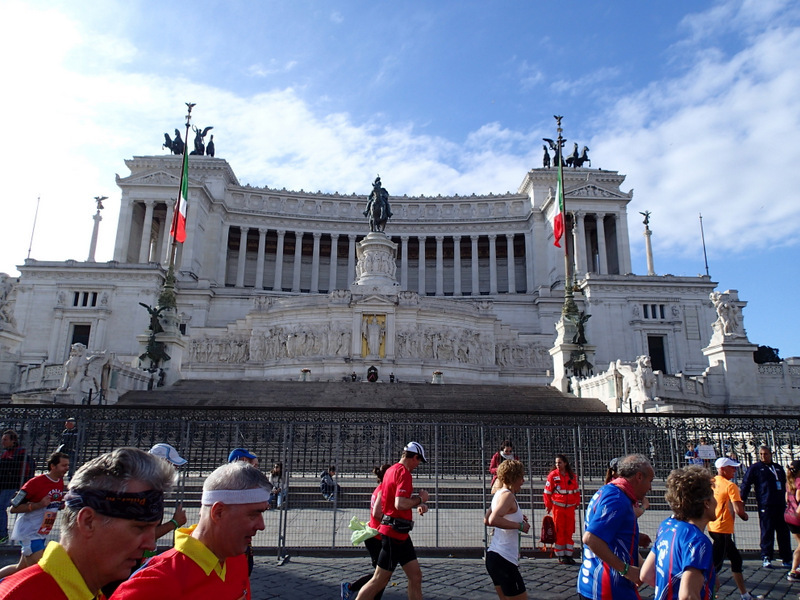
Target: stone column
x,y
95,231
334,259
166,243
262,244
623,244
512,276
277,282
147,232
124,231
440,265
404,262
457,265
529,263
648,247
601,243
579,244
298,257
421,273
222,267
492,263
315,264
476,287
242,256
351,259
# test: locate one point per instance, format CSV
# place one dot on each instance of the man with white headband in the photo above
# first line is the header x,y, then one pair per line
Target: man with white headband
x,y
208,560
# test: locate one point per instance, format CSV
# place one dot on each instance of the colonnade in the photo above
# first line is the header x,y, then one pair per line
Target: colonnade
x,y
439,265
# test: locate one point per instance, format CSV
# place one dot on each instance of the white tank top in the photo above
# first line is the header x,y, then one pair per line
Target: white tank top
x,y
505,542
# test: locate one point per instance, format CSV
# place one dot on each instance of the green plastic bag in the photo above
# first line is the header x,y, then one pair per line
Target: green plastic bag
x,y
361,531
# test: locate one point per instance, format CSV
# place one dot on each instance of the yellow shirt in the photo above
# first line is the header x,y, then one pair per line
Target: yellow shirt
x,y
726,492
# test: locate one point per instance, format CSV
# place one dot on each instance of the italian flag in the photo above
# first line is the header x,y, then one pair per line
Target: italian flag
x,y
178,230
558,220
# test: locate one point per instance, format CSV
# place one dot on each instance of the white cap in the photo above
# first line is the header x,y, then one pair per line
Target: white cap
x,y
724,461
416,448
168,453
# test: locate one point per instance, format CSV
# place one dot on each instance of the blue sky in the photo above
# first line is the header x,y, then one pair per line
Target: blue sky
x,y
698,103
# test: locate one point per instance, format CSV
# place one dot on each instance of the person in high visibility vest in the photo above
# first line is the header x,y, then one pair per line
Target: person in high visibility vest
x,y
561,498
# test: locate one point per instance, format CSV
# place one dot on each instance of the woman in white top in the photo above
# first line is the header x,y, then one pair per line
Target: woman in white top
x,y
502,557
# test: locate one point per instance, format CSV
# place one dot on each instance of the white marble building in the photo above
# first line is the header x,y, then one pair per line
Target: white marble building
x,y
269,282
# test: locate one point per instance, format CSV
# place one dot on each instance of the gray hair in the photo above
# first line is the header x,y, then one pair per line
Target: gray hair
x,y
765,447
113,471
237,475
630,465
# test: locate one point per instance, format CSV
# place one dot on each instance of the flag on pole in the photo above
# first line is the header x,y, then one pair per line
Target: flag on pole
x,y
558,220
179,220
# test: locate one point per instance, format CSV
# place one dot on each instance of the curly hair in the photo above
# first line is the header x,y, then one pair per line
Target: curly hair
x,y
687,490
509,471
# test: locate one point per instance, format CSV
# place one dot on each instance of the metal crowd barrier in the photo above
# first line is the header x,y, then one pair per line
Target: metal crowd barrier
x,y
459,448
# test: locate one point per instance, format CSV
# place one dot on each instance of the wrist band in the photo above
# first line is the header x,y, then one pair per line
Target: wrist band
x,y
625,570
174,522
522,526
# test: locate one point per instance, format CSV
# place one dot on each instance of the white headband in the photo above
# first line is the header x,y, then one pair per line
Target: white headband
x,y
251,496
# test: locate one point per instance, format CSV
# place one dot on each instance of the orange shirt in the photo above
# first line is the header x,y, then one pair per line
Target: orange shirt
x,y
726,492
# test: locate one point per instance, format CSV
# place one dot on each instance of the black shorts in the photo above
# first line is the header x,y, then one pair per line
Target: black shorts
x,y
504,574
394,552
373,546
793,528
724,547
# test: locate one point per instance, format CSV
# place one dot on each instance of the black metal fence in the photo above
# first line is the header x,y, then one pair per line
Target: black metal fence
x,y
459,448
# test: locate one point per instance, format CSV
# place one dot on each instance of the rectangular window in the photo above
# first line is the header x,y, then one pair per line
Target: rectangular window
x,y
80,334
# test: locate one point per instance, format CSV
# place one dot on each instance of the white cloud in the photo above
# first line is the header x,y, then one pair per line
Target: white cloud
x,y
721,140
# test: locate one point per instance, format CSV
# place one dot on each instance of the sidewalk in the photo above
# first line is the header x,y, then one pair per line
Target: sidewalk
x,y
305,577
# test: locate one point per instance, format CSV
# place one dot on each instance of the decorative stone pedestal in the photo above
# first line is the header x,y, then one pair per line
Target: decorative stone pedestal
x,y
564,351
377,266
174,346
741,371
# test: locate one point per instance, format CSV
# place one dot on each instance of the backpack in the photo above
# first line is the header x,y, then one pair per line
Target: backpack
x,y
548,535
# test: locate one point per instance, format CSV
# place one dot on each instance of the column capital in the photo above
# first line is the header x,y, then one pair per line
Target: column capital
x,y
474,237
317,235
244,229
334,236
578,214
149,202
299,234
281,232
510,236
492,236
263,230
456,238
404,239
352,236
422,238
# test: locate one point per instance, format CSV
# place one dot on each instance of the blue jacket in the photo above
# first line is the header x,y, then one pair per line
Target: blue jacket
x,y
765,478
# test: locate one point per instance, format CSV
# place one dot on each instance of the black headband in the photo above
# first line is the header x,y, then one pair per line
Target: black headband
x,y
135,506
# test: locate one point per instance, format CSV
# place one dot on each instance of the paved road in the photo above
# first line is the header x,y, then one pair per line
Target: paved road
x,y
305,577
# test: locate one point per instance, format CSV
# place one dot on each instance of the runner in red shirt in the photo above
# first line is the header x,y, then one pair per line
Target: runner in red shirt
x,y
397,504
37,505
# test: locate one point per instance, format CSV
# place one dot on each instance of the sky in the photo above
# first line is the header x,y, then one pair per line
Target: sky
x,y
697,103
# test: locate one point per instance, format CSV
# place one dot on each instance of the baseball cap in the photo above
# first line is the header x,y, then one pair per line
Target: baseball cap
x,y
239,453
168,453
416,448
724,461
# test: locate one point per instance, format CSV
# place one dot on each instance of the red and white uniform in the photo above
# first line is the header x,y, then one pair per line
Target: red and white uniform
x,y
561,496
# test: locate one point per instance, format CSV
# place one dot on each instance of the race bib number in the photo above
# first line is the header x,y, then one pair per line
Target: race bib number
x,y
49,519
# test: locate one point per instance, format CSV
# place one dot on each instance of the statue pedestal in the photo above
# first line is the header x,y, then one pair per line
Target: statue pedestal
x,y
565,351
735,356
377,266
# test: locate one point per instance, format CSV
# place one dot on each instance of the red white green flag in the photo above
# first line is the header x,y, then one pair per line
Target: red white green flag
x,y
178,230
558,220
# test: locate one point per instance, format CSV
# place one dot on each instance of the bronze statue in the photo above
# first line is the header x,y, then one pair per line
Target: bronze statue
x,y
199,145
210,148
546,158
580,323
578,160
557,157
176,145
378,208
646,215
155,351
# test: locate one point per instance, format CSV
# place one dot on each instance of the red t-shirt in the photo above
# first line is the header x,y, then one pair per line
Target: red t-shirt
x,y
396,484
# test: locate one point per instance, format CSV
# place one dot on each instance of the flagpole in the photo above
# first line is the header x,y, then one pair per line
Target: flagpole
x,y
703,237
569,308
175,217
166,298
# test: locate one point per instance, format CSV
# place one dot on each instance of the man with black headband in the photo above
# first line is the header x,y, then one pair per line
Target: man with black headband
x,y
208,560
112,509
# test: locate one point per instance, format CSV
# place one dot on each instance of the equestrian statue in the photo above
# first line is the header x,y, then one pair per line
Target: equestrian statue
x,y
378,210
